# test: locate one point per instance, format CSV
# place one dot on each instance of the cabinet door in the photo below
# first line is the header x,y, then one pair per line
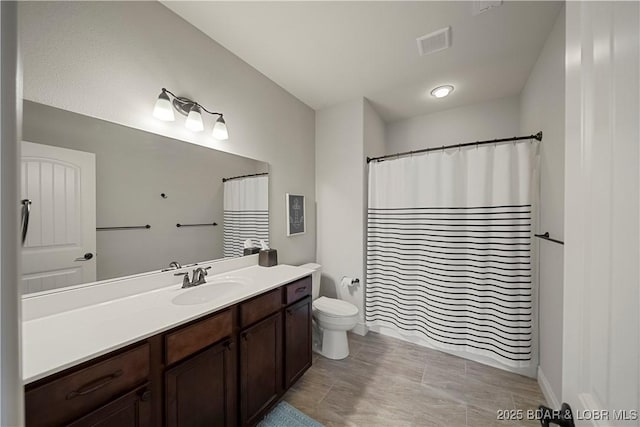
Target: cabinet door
x,y
260,367
201,391
131,410
297,341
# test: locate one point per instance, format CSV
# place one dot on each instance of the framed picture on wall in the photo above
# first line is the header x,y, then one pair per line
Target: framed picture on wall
x,y
295,215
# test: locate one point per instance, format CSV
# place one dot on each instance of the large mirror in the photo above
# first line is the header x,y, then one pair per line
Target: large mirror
x,y
101,200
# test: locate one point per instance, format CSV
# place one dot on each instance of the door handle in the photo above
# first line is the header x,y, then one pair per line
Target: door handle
x,y
85,257
26,211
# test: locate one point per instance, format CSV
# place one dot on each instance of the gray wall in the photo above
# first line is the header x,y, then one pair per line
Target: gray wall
x,y
132,169
345,135
487,120
109,60
542,108
340,198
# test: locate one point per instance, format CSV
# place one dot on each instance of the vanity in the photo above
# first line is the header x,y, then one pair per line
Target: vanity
x,y
220,354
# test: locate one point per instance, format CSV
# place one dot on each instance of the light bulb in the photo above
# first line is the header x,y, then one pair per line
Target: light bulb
x,y
442,91
163,109
194,120
220,131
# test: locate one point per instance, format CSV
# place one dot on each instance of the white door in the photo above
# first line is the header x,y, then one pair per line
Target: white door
x,y
601,341
61,185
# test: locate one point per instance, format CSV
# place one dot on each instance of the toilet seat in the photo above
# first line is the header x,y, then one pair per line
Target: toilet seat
x,y
332,307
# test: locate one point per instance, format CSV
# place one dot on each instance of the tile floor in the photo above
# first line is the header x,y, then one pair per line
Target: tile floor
x,y
389,382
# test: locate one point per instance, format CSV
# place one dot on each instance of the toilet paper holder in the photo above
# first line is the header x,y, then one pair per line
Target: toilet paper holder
x,y
354,281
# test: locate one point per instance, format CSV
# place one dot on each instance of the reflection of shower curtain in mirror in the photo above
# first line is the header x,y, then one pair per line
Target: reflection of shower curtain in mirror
x,y
246,213
449,251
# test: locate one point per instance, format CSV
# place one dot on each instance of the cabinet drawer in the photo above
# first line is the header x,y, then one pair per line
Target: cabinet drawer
x,y
80,392
297,290
131,410
260,307
190,339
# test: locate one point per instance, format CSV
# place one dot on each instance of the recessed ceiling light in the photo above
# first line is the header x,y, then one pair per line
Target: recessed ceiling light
x,y
442,91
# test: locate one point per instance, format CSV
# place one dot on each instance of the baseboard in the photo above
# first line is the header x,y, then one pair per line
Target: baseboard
x,y
360,329
546,389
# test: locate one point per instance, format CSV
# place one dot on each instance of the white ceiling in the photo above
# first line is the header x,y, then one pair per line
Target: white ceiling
x,y
325,53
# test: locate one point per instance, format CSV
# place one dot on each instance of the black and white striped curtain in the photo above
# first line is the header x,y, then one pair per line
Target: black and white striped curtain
x,y
449,251
246,213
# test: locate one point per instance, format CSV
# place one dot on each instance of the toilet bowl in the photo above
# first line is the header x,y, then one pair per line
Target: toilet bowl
x,y
332,319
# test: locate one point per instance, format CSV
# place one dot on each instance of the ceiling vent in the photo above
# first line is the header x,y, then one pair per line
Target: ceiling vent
x,y
434,42
481,6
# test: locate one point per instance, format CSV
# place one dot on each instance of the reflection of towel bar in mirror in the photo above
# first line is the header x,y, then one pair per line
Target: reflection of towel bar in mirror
x,y
133,227
545,236
213,224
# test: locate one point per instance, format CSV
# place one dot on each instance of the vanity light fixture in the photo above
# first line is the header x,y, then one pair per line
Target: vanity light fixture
x,y
442,91
220,130
163,110
194,120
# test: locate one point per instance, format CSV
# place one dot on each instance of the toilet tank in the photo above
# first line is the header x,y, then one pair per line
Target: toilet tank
x,y
315,278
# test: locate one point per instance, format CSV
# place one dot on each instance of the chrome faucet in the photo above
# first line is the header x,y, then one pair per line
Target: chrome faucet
x,y
198,277
173,265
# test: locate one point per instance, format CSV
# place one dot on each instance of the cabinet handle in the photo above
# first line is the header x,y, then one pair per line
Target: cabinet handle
x,y
244,335
94,385
228,345
301,289
145,396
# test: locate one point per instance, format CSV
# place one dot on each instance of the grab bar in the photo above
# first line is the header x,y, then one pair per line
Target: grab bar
x,y
545,236
197,225
133,227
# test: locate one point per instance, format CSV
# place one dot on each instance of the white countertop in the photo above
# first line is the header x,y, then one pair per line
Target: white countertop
x,y
53,343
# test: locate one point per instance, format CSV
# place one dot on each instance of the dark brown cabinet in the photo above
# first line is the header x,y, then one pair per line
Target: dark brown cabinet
x,y
90,387
260,367
297,341
228,368
131,410
200,391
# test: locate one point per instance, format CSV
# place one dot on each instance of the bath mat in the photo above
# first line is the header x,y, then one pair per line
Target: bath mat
x,y
285,415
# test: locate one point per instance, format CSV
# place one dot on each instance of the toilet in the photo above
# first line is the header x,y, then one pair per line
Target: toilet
x,y
332,319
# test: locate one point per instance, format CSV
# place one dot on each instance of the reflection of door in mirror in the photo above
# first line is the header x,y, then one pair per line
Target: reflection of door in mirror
x,y
62,227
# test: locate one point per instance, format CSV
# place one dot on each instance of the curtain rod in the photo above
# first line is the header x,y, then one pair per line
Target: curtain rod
x,y
537,136
244,176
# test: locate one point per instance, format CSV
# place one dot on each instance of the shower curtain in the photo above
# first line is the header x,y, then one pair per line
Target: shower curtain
x,y
246,213
449,251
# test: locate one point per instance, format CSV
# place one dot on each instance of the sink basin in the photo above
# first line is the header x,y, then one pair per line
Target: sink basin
x,y
210,291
